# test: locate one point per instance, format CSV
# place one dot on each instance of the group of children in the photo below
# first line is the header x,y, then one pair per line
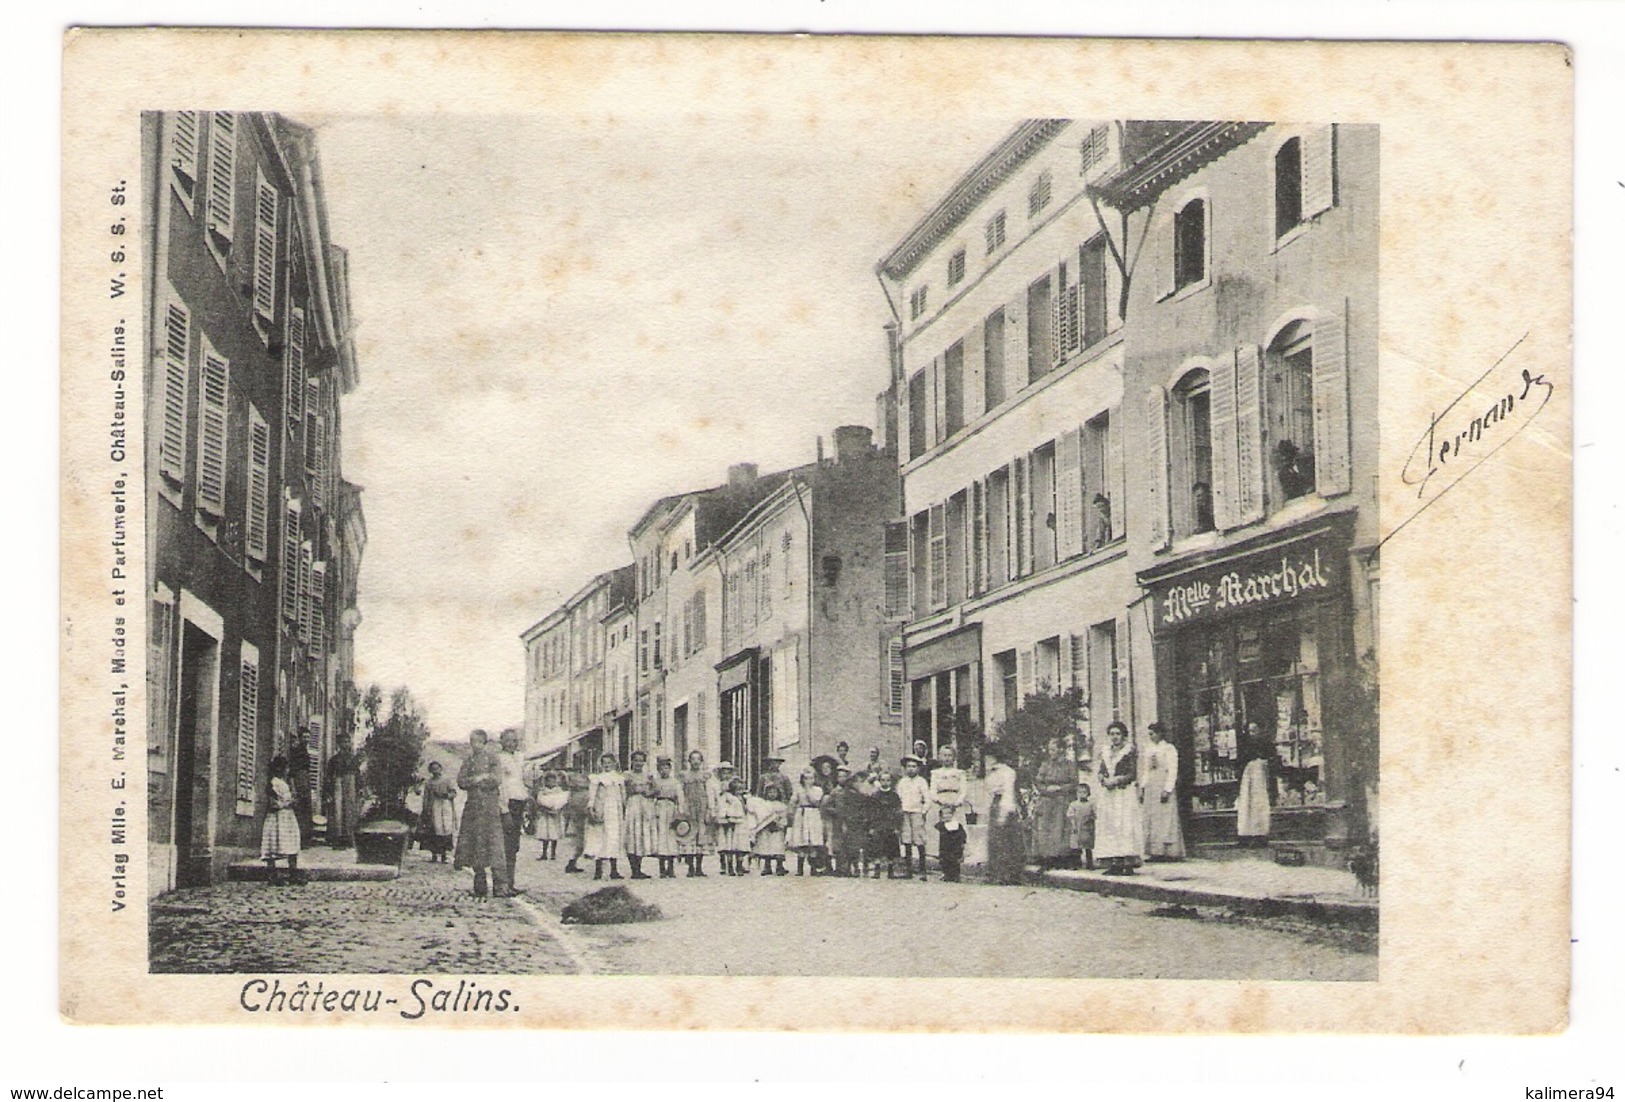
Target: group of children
x,y
836,819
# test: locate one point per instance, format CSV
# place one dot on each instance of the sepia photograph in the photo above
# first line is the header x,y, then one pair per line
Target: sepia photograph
x,y
629,531
630,547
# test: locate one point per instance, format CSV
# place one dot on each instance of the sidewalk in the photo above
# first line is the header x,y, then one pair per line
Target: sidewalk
x,y
319,864
1255,887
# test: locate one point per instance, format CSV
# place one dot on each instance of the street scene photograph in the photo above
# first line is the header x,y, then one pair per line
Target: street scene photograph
x,y
674,544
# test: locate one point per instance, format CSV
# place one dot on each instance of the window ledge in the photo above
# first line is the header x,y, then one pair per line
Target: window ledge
x,y
1291,235
1180,293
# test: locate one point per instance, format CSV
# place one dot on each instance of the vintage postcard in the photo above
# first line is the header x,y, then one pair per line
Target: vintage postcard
x,y
796,533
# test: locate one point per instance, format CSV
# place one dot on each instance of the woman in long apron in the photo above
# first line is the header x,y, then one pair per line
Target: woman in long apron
x,y
1254,795
1057,787
1164,841
1119,825
605,840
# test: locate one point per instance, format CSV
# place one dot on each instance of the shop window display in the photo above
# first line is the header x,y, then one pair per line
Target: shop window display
x,y
1263,670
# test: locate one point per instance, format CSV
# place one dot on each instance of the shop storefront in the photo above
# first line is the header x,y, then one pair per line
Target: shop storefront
x,y
944,677
1254,647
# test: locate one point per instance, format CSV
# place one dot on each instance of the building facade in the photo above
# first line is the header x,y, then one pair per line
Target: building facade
x,y
1252,383
1134,380
1008,369
751,621
255,538
807,650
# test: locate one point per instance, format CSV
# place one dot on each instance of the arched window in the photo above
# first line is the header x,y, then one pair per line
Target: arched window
x,y
1192,426
1289,403
1288,186
1190,244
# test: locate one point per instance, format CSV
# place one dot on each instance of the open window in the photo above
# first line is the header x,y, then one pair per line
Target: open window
x,y
1289,401
1192,466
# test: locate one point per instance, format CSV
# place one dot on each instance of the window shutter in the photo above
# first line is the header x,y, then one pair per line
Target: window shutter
x,y
1021,517
1222,412
294,382
248,723
1024,676
306,557
1078,663
699,620
978,538
1057,319
975,388
1249,469
177,374
1122,701
895,682
939,558
1115,474
258,524
211,473
1319,170
290,560
183,153
896,568
1156,425
318,463
939,401
222,173
1015,344
265,223
1332,459
318,605
1069,495
905,420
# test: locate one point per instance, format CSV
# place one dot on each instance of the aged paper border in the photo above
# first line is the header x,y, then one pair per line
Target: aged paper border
x,y
1476,155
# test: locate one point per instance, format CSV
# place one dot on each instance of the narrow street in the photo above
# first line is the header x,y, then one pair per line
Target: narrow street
x,y
427,922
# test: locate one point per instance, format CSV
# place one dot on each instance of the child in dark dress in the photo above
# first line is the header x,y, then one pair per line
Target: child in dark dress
x,y
885,822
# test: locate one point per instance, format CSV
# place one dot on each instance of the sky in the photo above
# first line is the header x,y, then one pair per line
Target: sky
x,y
562,318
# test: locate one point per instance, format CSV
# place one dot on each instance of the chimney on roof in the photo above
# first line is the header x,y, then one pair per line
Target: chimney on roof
x,y
853,442
741,474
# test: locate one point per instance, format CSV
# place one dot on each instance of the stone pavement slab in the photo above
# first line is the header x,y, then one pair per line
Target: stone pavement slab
x,y
1252,887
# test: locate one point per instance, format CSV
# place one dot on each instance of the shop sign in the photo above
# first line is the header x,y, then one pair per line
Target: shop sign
x,y
1285,575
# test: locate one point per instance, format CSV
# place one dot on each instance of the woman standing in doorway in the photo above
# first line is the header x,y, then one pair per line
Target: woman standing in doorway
x,y
1255,795
1119,830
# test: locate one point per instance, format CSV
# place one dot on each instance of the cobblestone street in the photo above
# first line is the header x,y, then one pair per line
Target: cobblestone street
x,y
427,922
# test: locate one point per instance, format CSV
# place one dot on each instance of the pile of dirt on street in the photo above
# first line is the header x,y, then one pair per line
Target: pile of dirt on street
x,y
609,907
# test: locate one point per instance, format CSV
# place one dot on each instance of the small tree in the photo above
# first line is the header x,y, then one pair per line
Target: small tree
x,y
394,747
1044,717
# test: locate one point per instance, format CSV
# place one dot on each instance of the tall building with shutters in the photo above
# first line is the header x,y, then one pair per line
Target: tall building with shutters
x,y
254,537
1008,357
1134,380
1251,388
